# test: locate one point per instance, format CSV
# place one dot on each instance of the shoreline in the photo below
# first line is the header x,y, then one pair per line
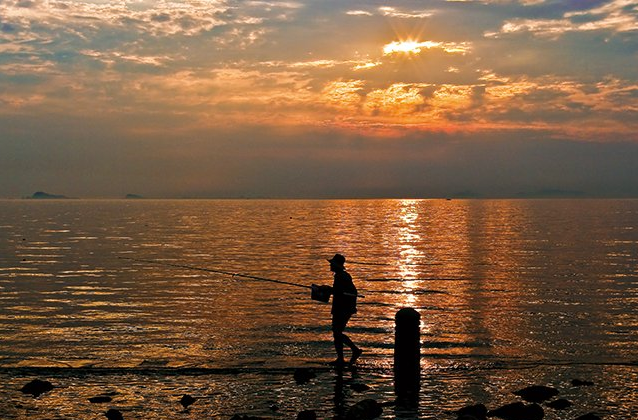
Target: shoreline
x,y
273,392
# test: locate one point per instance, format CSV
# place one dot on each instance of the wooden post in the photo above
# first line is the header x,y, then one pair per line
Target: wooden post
x,y
407,355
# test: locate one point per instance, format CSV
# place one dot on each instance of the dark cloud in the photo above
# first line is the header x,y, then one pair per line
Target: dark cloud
x,y
26,4
161,17
7,28
94,160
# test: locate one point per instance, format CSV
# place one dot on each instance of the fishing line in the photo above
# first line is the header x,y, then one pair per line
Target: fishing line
x,y
211,270
228,273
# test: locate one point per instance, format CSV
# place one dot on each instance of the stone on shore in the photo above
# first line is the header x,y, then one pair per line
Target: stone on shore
x,y
307,415
478,411
100,399
518,411
114,414
367,409
37,387
536,393
186,401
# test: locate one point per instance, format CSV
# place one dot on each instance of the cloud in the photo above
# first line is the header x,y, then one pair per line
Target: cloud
x,y
397,99
270,162
392,12
415,47
617,16
344,94
359,13
110,58
161,18
396,13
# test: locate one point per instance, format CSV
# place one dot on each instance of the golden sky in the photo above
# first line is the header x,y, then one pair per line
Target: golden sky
x,y
180,79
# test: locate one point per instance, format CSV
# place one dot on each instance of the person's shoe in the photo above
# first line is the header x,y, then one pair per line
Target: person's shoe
x,y
356,353
338,363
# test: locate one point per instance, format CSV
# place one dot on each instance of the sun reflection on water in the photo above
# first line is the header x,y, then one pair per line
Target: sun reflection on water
x,y
409,239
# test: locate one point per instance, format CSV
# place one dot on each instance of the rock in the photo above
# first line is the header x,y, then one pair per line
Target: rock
x,y
364,410
303,375
518,411
186,401
560,404
114,414
532,412
37,387
578,382
536,393
507,411
478,411
40,195
307,415
100,399
358,387
588,416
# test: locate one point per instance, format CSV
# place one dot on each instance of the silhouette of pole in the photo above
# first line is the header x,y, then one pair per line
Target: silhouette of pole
x,y
407,355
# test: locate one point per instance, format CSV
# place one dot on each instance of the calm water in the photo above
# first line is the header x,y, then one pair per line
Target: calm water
x,y
511,293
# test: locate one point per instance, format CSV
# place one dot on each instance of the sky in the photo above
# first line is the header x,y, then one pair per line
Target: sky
x,y
319,98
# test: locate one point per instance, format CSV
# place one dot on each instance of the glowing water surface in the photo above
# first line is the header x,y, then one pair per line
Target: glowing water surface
x,y
511,293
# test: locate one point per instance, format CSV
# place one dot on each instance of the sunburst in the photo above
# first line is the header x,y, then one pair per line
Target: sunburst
x,y
408,47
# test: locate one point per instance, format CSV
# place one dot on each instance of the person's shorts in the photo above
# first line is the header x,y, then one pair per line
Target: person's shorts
x,y
339,322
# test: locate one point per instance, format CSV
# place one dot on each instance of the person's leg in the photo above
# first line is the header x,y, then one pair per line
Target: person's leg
x,y
338,339
356,351
338,325
346,340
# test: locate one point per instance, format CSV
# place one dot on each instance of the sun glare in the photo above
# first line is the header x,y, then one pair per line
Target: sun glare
x,y
407,47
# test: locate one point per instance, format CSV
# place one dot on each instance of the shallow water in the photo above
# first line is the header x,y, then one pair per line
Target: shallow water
x,y
511,293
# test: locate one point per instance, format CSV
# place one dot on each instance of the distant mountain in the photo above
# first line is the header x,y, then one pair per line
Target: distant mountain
x,y
133,196
41,195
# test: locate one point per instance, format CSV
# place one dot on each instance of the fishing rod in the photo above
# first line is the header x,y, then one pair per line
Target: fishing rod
x,y
320,293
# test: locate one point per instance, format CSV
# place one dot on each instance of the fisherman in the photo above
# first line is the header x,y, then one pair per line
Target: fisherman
x,y
344,305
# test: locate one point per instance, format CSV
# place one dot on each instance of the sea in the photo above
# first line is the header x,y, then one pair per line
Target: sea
x,y
145,301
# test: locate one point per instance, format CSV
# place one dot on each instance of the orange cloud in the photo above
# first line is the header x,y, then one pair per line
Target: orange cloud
x,y
398,99
343,94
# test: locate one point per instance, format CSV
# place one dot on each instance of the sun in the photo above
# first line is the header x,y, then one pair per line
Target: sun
x,y
407,47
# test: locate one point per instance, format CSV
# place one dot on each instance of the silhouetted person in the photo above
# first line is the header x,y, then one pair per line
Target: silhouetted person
x,y
344,305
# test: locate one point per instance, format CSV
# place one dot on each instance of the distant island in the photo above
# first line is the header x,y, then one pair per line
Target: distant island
x,y
134,196
41,195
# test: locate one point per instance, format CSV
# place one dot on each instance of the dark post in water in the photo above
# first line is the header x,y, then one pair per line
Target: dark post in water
x,y
407,355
